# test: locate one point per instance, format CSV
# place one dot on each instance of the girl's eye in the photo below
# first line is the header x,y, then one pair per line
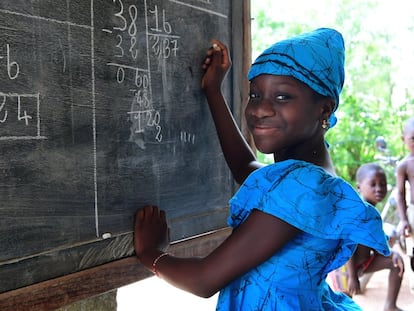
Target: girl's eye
x,y
282,97
253,95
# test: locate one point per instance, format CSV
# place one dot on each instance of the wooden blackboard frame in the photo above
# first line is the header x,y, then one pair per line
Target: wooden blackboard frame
x,y
61,291
55,293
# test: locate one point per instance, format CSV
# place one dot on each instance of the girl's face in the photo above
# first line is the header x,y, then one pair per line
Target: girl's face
x,y
373,187
282,114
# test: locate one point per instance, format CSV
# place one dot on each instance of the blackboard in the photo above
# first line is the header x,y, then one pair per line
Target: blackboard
x,y
101,112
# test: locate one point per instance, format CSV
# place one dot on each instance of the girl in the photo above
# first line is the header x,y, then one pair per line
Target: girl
x,y
293,221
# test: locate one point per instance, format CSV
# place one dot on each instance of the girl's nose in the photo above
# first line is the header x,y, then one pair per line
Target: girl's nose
x,y
260,108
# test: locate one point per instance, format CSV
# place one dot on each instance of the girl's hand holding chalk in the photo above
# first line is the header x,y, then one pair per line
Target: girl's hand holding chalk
x,y
216,47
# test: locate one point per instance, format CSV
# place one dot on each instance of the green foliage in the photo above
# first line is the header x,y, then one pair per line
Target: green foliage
x,y
367,108
265,158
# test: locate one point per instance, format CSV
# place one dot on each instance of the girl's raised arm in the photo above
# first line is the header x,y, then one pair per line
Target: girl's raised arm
x,y
237,152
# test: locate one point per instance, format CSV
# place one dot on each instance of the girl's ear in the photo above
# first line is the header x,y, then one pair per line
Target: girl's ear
x,y
327,107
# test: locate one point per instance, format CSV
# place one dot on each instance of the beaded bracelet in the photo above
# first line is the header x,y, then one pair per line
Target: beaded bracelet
x,y
154,263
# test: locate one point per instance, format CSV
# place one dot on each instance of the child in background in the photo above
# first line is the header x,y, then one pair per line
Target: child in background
x,y
293,221
405,180
372,186
405,173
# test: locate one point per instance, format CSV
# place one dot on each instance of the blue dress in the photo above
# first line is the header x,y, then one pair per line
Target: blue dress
x,y
333,220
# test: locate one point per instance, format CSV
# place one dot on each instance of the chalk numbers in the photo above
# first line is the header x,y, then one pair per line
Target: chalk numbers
x,y
148,118
126,22
3,111
141,99
22,114
13,68
164,44
11,101
126,19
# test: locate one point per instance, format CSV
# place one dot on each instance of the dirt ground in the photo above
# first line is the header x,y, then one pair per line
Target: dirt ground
x,y
155,294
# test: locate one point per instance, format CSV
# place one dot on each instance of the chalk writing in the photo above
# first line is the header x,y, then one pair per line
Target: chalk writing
x,y
20,109
207,10
19,113
165,44
186,137
12,66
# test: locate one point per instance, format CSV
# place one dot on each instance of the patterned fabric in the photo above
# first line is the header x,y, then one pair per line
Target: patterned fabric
x,y
333,219
315,58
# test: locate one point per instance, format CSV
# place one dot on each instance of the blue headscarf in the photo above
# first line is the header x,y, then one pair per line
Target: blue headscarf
x,y
316,58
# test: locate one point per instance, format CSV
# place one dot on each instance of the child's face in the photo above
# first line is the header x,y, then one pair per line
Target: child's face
x,y
281,113
373,187
408,139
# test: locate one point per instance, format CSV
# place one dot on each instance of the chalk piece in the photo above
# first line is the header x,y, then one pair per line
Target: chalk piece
x,y
216,47
106,235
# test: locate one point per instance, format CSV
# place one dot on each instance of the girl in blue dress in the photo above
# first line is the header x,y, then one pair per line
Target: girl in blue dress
x,y
293,221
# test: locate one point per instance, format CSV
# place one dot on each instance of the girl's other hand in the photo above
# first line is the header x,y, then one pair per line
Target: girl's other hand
x,y
151,231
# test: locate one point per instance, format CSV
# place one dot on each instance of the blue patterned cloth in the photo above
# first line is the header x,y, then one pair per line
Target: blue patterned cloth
x,y
333,219
316,58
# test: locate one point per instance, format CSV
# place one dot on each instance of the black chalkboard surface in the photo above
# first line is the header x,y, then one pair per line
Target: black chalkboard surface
x,y
101,112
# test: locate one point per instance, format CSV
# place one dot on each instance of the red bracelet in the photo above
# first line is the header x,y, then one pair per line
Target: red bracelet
x,y
154,263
